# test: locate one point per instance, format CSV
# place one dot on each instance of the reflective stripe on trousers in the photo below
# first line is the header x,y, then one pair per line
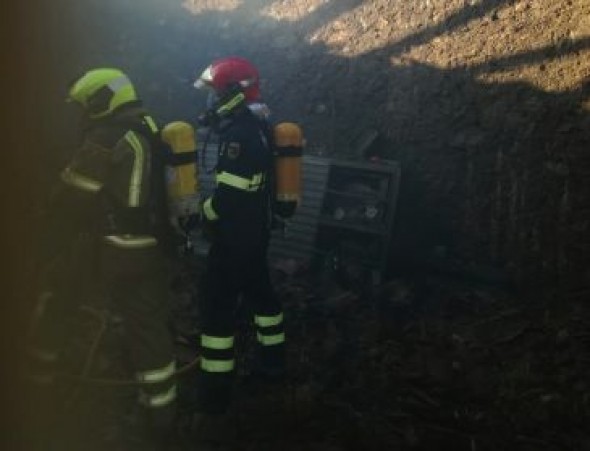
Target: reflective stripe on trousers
x,y
217,354
161,388
158,400
270,329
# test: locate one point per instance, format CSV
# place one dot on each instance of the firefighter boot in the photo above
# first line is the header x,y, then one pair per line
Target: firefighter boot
x,y
44,399
160,426
268,368
217,431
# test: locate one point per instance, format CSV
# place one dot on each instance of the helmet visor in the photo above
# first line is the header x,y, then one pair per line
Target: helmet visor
x,y
201,84
205,79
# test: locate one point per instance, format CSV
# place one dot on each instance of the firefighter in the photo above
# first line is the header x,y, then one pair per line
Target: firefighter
x,y
109,202
238,218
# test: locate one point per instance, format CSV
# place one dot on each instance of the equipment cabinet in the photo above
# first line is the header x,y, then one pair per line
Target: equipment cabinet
x,y
346,218
356,219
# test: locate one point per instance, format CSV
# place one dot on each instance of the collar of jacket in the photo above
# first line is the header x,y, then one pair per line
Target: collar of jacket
x,y
129,113
255,112
124,119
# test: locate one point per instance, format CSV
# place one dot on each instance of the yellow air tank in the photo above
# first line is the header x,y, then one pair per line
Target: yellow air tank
x,y
182,174
288,139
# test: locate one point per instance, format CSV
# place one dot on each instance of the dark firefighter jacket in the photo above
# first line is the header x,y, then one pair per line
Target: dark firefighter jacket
x,y
239,206
109,189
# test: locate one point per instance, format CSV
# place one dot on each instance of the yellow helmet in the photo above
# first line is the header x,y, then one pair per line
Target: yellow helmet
x,y
101,91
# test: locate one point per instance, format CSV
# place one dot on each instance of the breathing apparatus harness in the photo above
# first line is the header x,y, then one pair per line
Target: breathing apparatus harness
x,y
133,117
216,118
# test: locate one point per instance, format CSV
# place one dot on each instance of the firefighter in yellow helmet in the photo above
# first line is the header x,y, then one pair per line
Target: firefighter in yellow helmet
x,y
109,201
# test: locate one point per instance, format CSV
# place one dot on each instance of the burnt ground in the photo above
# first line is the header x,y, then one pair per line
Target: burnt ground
x,y
422,364
486,106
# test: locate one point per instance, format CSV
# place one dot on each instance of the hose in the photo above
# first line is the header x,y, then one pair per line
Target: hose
x,y
83,378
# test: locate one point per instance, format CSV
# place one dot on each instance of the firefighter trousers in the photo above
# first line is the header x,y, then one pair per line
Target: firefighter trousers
x,y
230,274
136,283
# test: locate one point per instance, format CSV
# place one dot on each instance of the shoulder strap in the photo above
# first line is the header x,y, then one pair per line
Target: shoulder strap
x,y
141,122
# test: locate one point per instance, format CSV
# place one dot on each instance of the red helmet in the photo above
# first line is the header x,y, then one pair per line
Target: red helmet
x,y
223,73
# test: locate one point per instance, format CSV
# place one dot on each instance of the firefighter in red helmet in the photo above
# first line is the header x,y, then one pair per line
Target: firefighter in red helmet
x,y
239,214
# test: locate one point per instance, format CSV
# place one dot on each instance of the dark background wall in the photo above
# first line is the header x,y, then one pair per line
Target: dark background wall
x,y
485,103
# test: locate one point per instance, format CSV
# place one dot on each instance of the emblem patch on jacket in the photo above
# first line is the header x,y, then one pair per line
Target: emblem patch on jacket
x,y
233,150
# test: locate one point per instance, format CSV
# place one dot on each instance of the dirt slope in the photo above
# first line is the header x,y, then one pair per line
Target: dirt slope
x,y
485,103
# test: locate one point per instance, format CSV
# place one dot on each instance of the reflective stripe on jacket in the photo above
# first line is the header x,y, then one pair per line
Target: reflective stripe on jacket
x,y
240,202
115,164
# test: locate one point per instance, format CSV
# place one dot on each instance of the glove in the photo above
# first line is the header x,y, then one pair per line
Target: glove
x,y
189,223
207,119
209,228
